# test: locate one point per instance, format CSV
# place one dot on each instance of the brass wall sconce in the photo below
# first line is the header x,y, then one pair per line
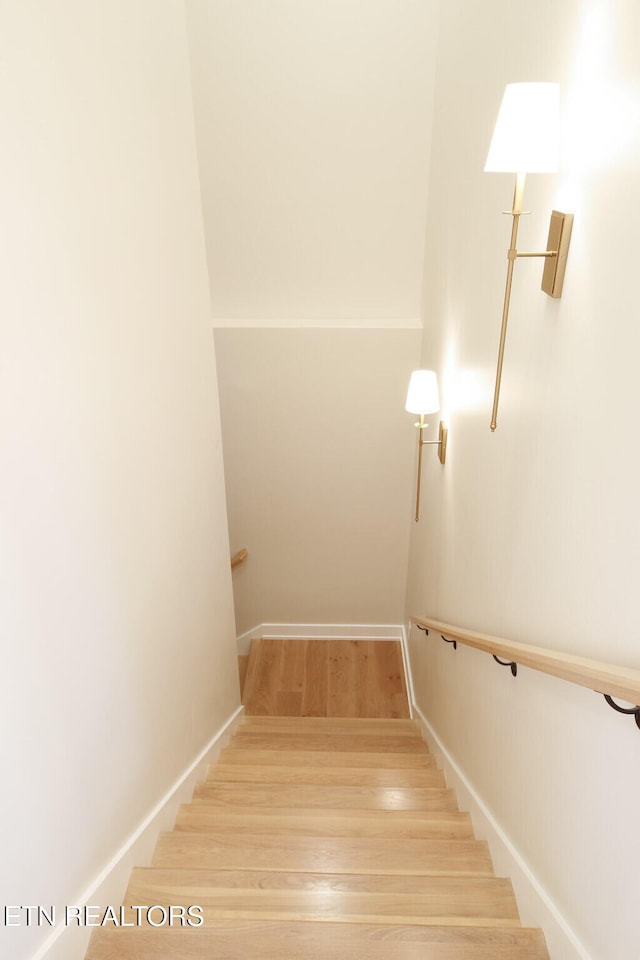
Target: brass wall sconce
x,y
526,140
422,398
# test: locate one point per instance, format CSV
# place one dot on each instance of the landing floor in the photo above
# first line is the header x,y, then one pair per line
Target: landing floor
x,y
326,678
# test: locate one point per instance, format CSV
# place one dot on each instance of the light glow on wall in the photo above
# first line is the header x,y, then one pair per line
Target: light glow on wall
x,y
464,388
602,114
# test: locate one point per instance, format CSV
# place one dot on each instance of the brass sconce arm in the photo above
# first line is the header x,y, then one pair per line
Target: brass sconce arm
x,y
526,138
552,278
442,453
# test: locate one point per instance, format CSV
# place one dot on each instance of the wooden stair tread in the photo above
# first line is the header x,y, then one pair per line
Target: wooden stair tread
x,y
318,797
327,758
324,776
223,850
200,817
352,897
271,940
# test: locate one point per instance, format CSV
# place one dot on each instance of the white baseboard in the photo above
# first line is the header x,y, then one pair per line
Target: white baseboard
x,y
320,631
408,676
535,905
70,943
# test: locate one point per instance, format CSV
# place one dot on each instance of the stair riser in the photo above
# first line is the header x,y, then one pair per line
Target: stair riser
x,y
309,726
313,758
330,742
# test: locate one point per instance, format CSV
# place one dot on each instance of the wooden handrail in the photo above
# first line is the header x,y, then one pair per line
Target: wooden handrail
x,y
239,557
605,678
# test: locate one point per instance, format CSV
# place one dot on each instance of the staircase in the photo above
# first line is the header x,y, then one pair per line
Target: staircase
x,y
321,839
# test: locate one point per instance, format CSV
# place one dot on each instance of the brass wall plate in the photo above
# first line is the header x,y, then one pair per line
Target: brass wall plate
x,y
442,438
558,239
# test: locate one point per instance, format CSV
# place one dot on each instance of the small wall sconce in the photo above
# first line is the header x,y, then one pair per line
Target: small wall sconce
x,y
526,140
422,398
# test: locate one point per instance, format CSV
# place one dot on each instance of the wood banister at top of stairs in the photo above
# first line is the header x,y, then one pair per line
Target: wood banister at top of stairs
x,y
239,557
606,678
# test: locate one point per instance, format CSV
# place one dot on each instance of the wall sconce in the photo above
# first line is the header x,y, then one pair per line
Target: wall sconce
x,y
422,398
526,140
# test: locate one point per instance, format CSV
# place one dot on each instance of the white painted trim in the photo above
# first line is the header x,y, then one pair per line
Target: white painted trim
x,y
408,676
331,323
319,631
109,886
535,904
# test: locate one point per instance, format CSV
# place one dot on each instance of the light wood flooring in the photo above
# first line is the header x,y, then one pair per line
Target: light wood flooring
x,y
322,839
325,678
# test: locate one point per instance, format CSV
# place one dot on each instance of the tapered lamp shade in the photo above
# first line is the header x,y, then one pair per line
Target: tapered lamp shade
x,y
526,138
422,396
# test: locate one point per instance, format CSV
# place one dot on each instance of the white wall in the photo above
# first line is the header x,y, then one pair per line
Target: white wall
x,y
533,532
313,124
116,616
318,458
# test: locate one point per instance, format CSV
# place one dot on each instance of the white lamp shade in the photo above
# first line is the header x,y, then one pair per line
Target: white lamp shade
x,y
526,137
422,396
